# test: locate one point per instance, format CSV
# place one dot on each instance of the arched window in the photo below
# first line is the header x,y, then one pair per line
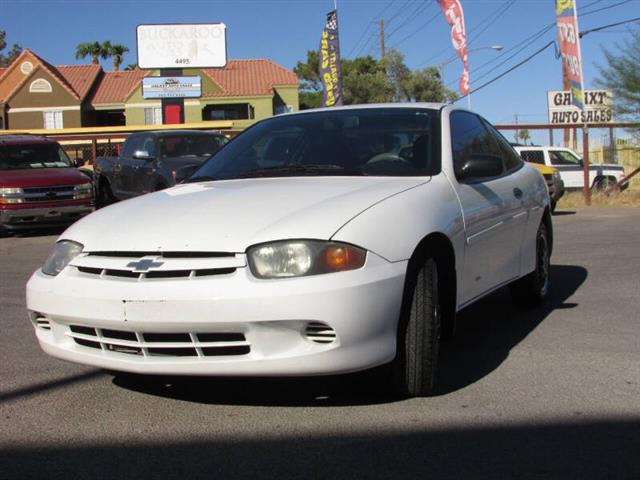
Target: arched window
x,y
40,86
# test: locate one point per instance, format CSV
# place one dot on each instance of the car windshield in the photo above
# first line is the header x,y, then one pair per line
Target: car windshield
x,y
190,146
39,155
370,141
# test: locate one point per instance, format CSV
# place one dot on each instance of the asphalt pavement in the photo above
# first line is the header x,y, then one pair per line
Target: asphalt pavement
x,y
552,392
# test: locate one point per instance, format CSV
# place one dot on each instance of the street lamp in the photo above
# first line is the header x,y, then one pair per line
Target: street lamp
x,y
441,66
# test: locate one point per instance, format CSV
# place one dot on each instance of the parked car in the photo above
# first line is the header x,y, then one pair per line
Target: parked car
x,y
555,185
333,255
570,166
152,161
39,185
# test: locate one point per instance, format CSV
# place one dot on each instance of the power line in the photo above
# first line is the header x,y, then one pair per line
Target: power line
x,y
506,72
597,29
604,8
411,17
399,11
418,30
366,29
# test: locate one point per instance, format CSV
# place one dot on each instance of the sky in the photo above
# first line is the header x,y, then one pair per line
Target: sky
x,y
283,30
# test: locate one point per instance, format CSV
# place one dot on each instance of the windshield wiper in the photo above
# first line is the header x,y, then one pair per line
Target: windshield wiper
x,y
201,178
300,170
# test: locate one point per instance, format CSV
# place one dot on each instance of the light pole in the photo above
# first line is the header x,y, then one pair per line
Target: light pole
x,y
441,66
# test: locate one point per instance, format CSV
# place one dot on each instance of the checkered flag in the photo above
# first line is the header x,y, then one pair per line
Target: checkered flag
x,y
332,21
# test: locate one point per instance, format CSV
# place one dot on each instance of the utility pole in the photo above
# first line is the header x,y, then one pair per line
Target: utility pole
x,y
381,38
517,133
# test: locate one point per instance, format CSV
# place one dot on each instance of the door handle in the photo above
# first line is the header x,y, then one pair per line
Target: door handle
x,y
517,193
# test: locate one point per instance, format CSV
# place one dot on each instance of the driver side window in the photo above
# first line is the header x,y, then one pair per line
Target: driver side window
x,y
469,137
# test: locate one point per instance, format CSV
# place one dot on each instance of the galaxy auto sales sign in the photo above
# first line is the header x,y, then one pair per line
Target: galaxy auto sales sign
x,y
597,108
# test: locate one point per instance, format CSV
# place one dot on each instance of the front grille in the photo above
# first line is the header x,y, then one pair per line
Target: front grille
x,y
548,177
161,344
158,265
48,194
318,332
42,322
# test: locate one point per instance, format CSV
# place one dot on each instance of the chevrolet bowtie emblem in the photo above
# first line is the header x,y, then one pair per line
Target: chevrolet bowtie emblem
x,y
145,264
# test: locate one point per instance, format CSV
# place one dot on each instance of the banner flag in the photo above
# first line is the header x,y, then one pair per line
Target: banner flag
x,y
330,72
452,10
569,41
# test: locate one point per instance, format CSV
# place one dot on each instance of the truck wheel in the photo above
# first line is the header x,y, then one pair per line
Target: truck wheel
x,y
533,289
104,196
414,369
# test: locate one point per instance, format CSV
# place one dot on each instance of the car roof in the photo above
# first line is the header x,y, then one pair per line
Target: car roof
x,y
425,105
25,139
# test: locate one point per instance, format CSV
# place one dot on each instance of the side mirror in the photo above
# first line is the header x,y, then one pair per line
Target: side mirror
x,y
142,155
79,162
479,165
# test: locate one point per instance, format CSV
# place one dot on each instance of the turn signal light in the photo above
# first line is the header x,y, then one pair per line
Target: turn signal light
x,y
343,257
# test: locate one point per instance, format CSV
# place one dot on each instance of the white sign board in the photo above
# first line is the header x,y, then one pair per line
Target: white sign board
x,y
597,107
182,46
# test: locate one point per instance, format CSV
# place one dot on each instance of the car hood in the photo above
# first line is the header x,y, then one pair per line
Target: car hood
x,y
42,177
231,215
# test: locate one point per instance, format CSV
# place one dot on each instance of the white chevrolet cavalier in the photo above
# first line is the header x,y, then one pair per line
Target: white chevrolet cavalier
x,y
322,242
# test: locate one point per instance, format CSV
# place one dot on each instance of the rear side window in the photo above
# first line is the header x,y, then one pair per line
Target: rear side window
x,y
533,156
469,136
562,157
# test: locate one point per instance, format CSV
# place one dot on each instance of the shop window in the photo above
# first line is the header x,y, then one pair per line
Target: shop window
x,y
236,111
153,116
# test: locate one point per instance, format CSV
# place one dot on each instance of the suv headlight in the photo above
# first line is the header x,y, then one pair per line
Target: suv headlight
x,y
298,258
84,190
11,196
63,252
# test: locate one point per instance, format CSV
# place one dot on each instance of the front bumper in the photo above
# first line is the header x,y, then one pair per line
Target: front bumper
x,y
262,326
41,216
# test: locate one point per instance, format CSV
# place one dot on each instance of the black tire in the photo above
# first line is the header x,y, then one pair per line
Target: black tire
x,y
416,362
533,289
104,196
554,204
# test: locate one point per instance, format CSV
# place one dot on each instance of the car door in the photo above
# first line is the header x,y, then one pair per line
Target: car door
x,y
143,177
493,212
122,165
569,166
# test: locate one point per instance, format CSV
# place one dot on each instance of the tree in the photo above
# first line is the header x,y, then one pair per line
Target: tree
x,y
93,50
131,66
426,86
622,77
116,51
397,72
523,135
11,54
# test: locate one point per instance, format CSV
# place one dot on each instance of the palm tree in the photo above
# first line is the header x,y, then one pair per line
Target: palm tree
x,y
116,51
93,49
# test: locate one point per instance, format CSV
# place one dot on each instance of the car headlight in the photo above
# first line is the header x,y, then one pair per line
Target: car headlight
x,y
63,252
556,175
84,190
298,258
11,196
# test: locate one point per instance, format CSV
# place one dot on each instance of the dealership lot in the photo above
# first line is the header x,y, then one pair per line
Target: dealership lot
x,y
553,392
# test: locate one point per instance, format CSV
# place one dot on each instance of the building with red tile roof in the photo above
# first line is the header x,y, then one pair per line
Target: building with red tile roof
x,y
35,94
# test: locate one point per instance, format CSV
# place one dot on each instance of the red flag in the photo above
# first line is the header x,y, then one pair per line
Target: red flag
x,y
569,41
455,17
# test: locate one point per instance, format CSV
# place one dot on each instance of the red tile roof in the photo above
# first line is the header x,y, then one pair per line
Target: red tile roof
x,y
79,77
249,78
116,87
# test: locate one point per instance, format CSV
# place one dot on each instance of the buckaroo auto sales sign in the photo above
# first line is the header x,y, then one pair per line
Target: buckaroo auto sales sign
x,y
597,107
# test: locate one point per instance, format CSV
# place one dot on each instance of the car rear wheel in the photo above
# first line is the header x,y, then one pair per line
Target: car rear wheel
x,y
416,362
533,289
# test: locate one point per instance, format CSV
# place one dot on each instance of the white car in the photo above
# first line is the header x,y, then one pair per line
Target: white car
x,y
322,242
570,167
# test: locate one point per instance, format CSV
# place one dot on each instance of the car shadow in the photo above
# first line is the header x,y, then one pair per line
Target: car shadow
x,y
486,333
562,213
34,232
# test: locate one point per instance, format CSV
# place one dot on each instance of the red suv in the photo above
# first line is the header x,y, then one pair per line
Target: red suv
x,y
39,185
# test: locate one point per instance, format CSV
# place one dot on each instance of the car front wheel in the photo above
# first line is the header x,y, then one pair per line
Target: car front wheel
x,y
419,334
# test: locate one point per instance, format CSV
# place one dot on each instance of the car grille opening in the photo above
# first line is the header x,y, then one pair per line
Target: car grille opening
x,y
318,332
161,344
42,322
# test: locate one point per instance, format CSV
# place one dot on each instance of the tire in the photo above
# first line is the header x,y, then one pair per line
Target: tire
x,y
533,289
104,196
554,204
416,362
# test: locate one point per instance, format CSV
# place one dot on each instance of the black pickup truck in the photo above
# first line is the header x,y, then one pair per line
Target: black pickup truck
x,y
151,161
